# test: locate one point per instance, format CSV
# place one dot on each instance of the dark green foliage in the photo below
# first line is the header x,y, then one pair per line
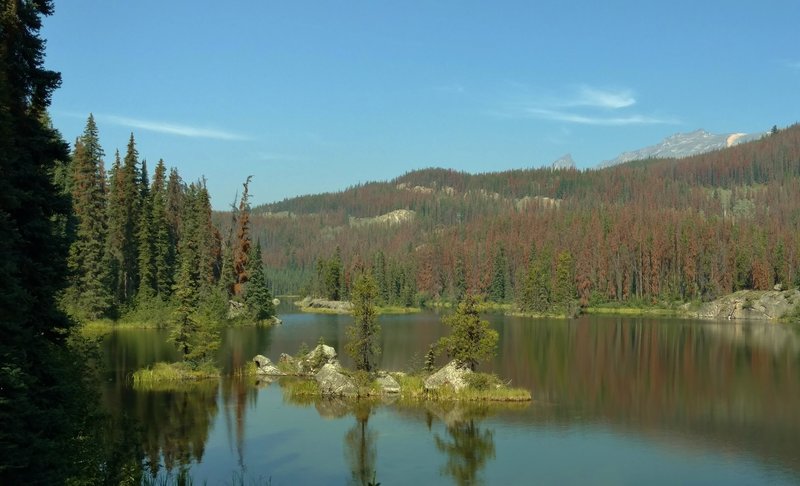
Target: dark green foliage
x,y
363,345
430,359
163,234
564,290
146,241
460,284
195,338
537,288
333,276
124,203
497,289
88,295
46,408
256,294
471,339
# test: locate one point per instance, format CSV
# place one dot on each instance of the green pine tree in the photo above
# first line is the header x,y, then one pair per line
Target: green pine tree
x,y
88,295
256,295
47,423
163,244
471,339
146,241
497,289
363,345
564,290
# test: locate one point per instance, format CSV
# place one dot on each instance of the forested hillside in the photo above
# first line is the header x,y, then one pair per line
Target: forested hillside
x,y
652,230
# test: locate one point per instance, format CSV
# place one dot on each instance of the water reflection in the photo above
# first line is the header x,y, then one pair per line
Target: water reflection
x,y
175,424
721,387
360,445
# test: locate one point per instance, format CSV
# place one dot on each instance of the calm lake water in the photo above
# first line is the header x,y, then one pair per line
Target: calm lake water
x,y
616,401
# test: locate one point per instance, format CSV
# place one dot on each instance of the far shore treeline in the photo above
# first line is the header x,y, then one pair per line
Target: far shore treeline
x,y
641,233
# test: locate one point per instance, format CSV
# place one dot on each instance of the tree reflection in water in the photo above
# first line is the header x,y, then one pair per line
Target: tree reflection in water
x,y
360,448
468,448
175,424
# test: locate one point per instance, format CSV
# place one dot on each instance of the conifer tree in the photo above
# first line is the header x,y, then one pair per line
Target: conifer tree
x,y
174,205
241,249
123,219
363,345
257,295
564,291
497,289
41,409
208,240
333,276
460,285
163,246
195,339
471,340
88,293
146,240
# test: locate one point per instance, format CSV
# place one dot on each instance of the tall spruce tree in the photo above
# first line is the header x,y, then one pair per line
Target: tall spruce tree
x,y
88,294
163,245
146,240
363,345
497,289
42,410
257,296
123,221
241,248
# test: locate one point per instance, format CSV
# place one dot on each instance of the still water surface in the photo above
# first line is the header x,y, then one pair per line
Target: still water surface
x,y
616,401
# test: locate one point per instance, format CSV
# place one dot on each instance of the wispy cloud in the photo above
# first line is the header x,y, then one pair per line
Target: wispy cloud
x,y
601,98
582,119
172,128
584,105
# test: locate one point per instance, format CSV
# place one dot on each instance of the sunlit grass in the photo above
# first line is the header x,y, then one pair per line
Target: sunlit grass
x,y
482,387
167,375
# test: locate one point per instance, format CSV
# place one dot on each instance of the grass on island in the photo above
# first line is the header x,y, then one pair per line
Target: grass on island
x,y
634,310
166,375
481,387
382,310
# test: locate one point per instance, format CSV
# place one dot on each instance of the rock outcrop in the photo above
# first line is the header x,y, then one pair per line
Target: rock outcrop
x,y
265,367
451,374
317,358
336,306
333,383
751,304
387,383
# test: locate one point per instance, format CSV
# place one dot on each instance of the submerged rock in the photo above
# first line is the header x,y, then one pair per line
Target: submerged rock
x,y
265,367
333,382
451,374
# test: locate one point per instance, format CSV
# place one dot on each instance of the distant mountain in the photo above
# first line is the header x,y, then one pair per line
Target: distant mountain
x,y
683,145
563,162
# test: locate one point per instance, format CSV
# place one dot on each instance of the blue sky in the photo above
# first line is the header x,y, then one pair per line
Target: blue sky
x,y
317,96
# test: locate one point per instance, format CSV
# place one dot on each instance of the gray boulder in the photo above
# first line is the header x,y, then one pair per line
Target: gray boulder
x,y
317,358
265,367
387,383
333,383
451,374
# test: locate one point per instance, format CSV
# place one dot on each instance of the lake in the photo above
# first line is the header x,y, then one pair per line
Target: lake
x,y
615,401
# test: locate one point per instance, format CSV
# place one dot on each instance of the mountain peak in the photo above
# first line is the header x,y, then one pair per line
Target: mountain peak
x,y
682,145
564,162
